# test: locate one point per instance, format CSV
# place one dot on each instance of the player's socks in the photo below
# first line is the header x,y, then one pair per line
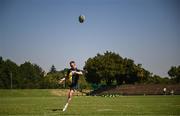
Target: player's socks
x,y
65,107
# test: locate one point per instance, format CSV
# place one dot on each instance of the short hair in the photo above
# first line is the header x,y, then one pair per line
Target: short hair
x,y
71,62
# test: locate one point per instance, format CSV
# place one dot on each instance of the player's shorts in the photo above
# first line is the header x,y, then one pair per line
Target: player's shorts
x,y
74,86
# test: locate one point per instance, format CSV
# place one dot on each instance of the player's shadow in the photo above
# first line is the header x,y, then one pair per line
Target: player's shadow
x,y
64,113
56,109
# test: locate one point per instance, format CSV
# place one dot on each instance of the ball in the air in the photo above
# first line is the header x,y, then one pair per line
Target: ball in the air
x,y
81,18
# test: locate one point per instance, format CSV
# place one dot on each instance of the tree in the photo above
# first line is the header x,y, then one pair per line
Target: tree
x,y
111,67
174,73
8,73
53,69
1,60
51,80
31,75
106,67
91,66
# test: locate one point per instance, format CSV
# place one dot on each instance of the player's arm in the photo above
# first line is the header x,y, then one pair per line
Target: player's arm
x,y
79,73
62,80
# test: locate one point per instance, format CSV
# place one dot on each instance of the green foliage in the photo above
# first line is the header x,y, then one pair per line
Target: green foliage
x,y
31,75
155,79
83,84
103,69
111,67
26,75
53,69
174,73
8,69
51,80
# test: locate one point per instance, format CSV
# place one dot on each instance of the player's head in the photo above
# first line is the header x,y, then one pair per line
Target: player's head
x,y
72,64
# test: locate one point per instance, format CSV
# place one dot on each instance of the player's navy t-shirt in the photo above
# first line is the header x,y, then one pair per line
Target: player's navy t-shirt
x,y
75,78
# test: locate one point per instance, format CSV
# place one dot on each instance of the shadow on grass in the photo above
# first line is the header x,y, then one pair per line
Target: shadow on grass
x,y
56,109
63,113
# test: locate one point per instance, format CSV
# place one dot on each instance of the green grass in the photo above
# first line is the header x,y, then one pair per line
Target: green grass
x,y
46,103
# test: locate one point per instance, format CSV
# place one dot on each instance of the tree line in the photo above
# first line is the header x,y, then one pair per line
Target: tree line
x,y
26,75
111,69
103,69
31,76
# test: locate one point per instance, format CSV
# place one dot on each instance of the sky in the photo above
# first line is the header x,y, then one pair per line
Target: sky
x,y
47,32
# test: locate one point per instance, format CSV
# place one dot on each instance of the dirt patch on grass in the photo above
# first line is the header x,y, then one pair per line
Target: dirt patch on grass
x,y
59,92
63,92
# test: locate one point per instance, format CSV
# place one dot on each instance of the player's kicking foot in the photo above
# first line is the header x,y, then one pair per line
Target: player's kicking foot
x,y
65,107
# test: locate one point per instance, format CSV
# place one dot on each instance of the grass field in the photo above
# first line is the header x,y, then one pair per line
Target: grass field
x,y
48,103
